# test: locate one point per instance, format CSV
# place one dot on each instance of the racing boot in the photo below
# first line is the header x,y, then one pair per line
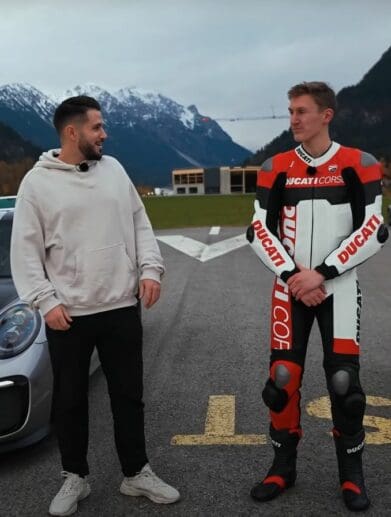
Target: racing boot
x,y
349,454
282,473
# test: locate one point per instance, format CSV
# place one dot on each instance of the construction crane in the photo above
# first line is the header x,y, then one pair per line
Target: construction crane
x,y
256,117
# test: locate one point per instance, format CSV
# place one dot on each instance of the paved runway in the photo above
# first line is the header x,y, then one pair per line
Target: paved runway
x,y
206,360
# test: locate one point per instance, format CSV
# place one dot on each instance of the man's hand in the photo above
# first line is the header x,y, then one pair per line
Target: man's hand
x,y
149,292
304,282
58,318
314,297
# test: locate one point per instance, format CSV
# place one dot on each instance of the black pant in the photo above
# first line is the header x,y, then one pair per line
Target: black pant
x,y
117,334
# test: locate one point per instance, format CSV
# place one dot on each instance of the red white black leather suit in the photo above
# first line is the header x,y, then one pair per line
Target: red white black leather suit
x,y
322,213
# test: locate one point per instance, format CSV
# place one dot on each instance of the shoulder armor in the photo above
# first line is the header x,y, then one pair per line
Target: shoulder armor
x,y
267,165
367,159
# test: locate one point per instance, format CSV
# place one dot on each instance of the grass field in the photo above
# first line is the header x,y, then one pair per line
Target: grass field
x,y
218,210
386,203
185,211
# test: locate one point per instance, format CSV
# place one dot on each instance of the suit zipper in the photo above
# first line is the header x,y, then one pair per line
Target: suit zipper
x,y
312,225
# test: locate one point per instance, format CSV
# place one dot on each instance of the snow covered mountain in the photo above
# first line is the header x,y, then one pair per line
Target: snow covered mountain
x,y
28,111
149,133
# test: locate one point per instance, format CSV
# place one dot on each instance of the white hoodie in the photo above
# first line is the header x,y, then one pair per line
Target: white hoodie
x,y
81,239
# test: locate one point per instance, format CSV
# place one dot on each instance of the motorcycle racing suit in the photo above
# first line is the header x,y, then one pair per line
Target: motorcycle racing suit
x,y
322,213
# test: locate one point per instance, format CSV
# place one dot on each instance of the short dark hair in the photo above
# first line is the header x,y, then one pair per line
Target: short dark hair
x,y
322,93
71,108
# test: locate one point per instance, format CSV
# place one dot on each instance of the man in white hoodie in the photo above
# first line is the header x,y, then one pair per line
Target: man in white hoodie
x,y
82,251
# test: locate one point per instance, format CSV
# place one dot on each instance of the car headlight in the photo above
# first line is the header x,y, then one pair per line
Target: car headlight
x,y
19,326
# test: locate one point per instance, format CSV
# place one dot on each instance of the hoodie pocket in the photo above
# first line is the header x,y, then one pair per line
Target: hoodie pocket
x,y
103,276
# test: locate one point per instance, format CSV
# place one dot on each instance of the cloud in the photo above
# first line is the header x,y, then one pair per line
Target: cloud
x,y
229,58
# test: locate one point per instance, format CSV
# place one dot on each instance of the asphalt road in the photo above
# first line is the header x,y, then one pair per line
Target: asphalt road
x,y
208,336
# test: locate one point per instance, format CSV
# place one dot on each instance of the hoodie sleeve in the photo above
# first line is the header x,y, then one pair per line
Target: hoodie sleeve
x,y
149,259
27,257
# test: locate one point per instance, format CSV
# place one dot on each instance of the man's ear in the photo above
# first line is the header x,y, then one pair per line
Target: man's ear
x,y
328,114
70,133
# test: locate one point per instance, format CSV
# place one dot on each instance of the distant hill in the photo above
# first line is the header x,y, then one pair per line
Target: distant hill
x,y
149,133
363,118
17,156
14,148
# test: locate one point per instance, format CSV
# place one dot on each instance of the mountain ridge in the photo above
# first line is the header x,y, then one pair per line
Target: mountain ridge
x,y
149,133
13,147
362,120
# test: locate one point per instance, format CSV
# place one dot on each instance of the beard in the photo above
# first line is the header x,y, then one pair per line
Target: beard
x,y
89,151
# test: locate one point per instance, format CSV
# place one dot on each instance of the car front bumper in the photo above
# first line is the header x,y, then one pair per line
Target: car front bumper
x,y
25,397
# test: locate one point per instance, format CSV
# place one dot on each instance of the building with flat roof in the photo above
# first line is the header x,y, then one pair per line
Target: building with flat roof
x,y
215,180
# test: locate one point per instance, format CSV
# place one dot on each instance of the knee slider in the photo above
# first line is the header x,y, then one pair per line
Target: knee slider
x,y
346,387
275,398
274,395
340,382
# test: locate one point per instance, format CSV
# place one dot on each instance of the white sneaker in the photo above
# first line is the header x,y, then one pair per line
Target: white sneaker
x,y
148,484
73,490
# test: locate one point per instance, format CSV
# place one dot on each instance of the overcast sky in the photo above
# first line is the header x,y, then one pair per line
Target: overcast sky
x,y
228,57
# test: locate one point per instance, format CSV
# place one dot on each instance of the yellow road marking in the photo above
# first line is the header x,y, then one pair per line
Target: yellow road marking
x,y
220,423
220,418
204,439
220,426
321,408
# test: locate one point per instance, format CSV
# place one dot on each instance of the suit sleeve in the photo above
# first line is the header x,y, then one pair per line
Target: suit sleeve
x,y
369,233
263,232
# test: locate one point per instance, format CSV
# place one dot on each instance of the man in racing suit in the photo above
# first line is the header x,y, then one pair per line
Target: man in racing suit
x,y
317,217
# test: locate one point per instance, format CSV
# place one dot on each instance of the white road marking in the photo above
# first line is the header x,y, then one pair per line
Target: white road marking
x,y
221,248
201,251
215,230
